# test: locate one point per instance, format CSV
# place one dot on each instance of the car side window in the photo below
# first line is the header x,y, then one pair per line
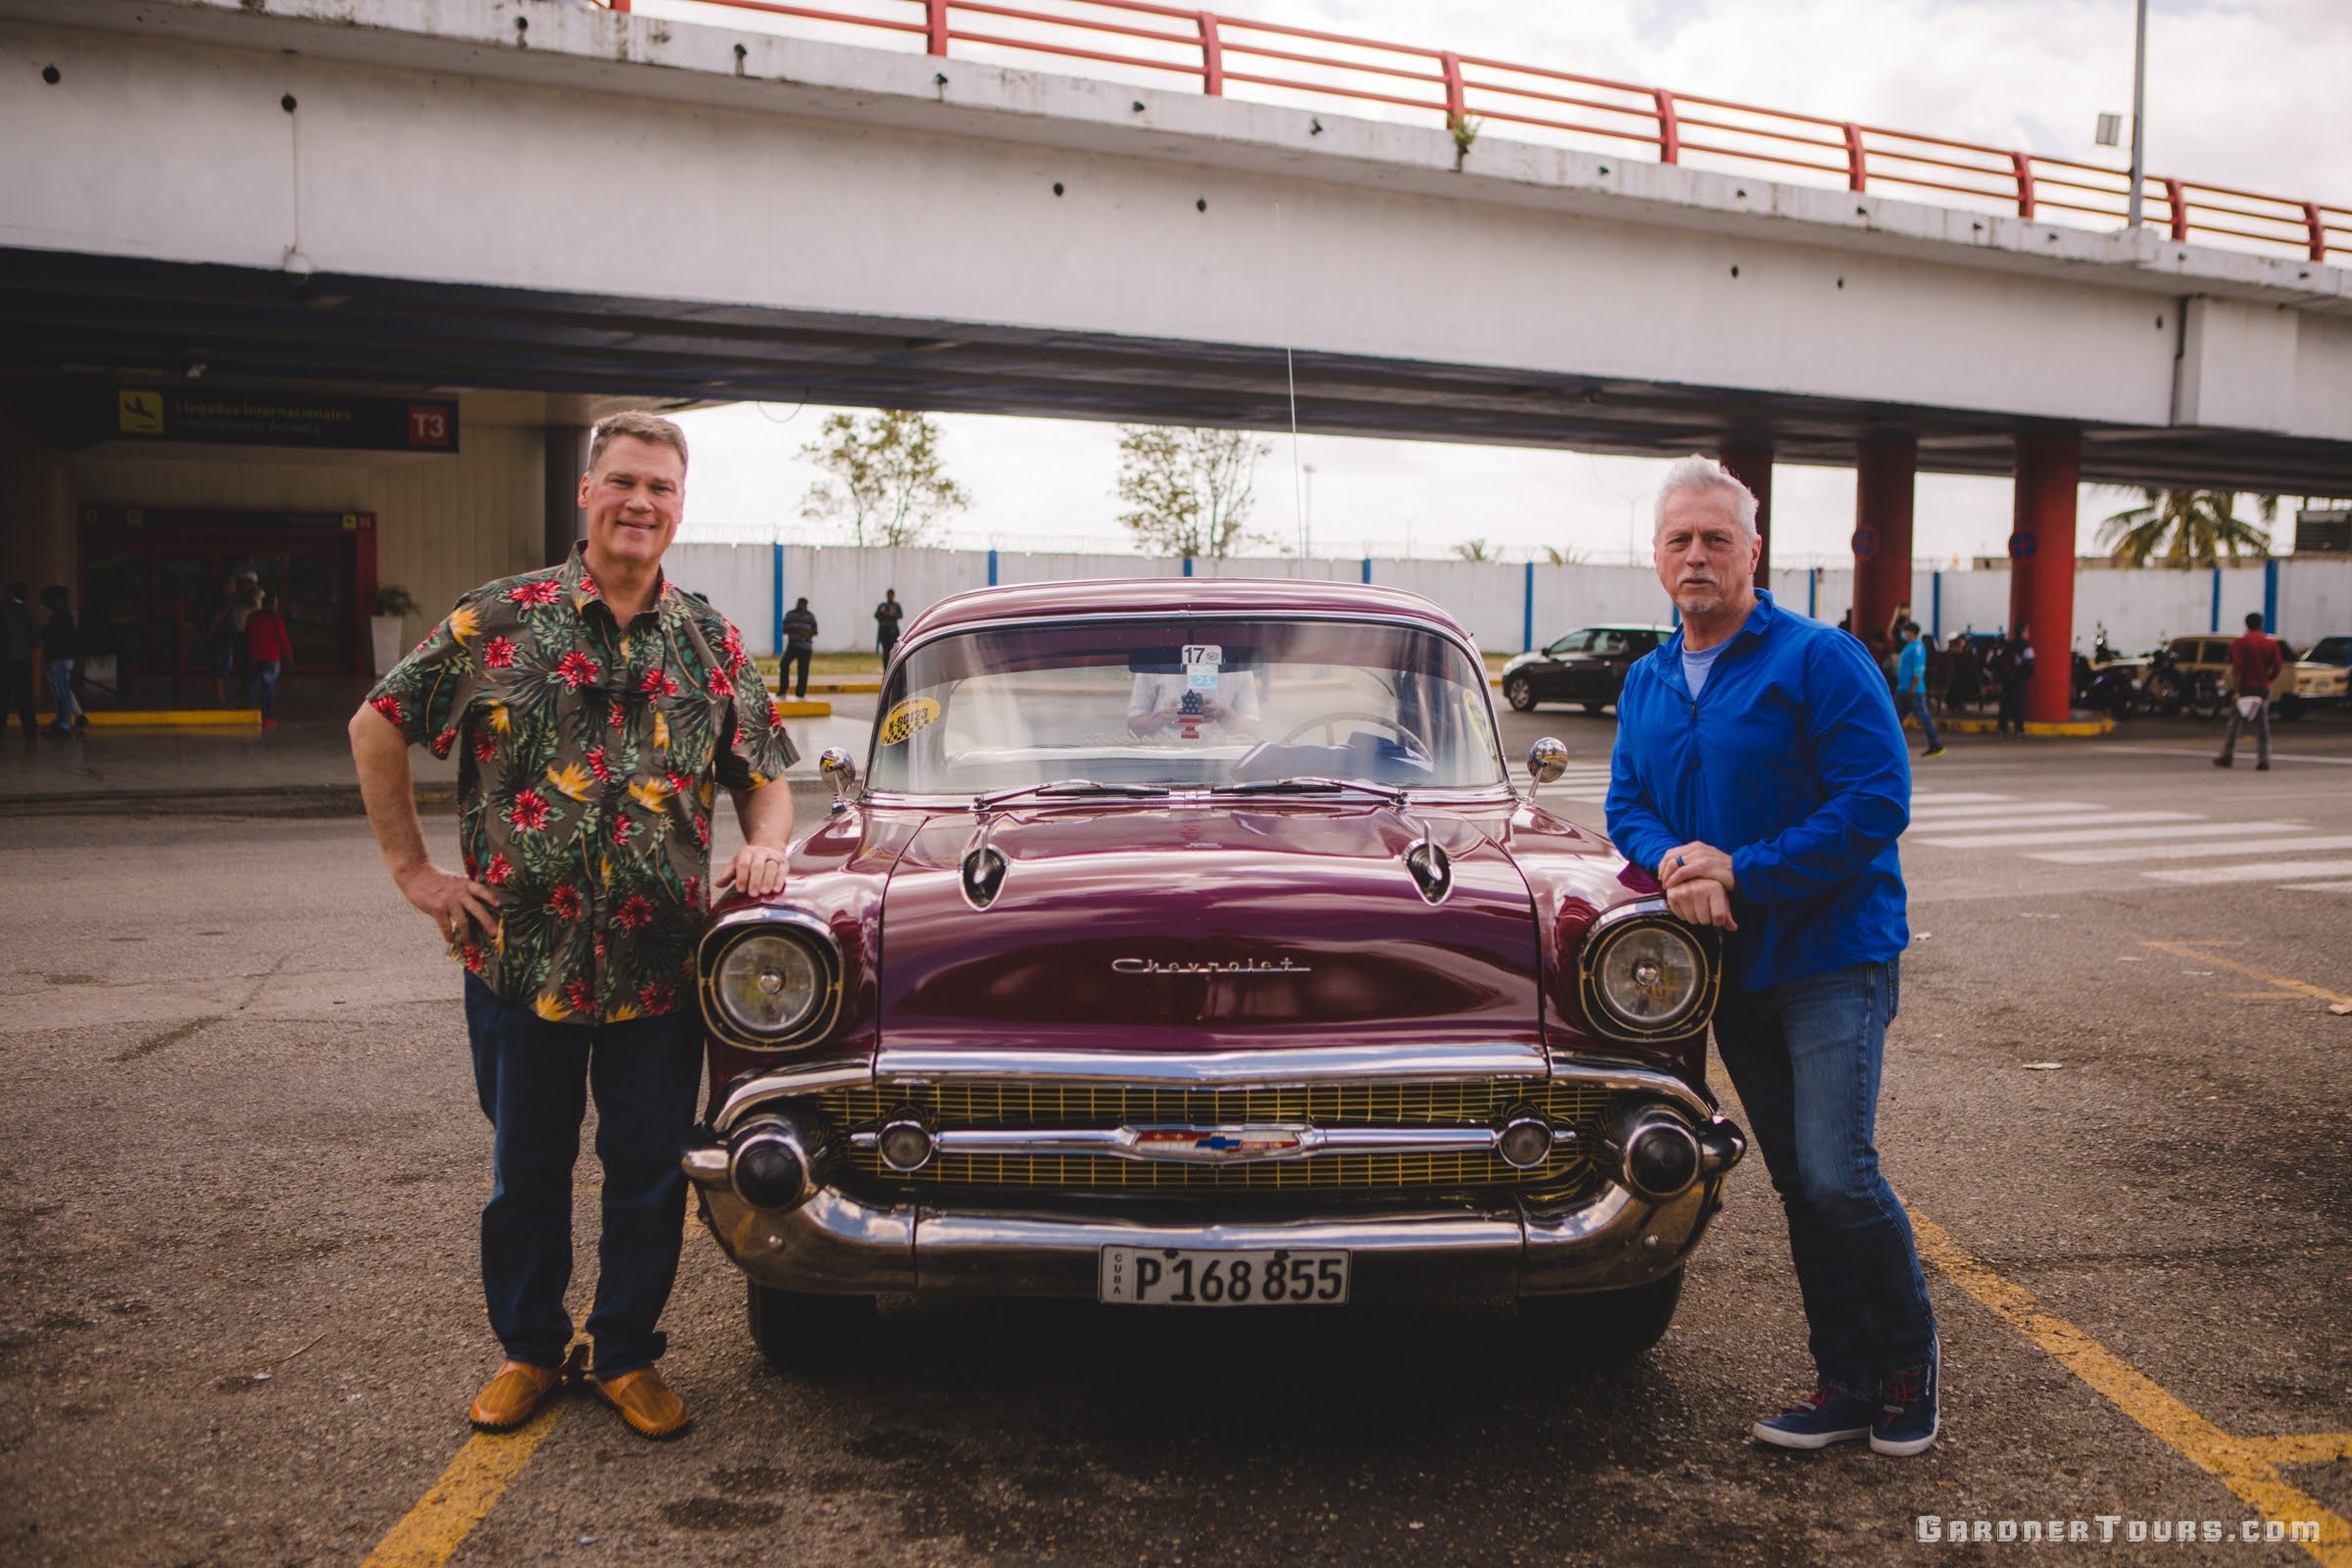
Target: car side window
x,y
1608,642
1576,642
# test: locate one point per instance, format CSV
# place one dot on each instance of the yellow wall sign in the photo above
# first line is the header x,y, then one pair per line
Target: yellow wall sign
x,y
139,412
902,721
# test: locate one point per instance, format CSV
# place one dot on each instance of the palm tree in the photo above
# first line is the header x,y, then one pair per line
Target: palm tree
x,y
2183,528
1475,550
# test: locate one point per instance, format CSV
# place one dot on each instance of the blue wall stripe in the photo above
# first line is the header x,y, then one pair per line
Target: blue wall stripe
x,y
1367,569
2217,601
2269,595
1527,614
776,581
1935,605
991,568
1188,565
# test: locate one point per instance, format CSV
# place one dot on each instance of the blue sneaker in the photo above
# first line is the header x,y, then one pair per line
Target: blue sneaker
x,y
1823,1417
1907,1418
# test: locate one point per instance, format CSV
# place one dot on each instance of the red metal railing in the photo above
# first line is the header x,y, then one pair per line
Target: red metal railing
x,y
1285,64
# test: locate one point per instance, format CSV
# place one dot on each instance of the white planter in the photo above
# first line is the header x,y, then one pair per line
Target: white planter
x,y
390,644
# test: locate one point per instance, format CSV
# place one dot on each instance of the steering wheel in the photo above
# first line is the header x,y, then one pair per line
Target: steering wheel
x,y
1327,721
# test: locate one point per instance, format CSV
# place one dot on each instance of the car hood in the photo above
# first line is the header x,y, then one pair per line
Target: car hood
x,y
1193,927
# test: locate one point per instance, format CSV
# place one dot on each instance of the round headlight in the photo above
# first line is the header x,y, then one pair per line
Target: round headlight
x,y
769,984
1648,978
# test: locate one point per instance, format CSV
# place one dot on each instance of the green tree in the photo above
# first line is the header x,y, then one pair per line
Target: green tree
x,y
1554,556
1475,550
1187,491
2184,528
883,475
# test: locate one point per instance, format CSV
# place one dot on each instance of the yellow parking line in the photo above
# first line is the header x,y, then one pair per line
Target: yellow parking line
x,y
2305,1447
465,1495
2198,952
2247,1466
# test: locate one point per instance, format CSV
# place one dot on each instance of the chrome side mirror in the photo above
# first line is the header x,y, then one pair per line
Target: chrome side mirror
x,y
841,771
1546,761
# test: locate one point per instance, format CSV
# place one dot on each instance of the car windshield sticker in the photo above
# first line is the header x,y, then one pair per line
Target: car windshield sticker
x,y
1201,662
910,716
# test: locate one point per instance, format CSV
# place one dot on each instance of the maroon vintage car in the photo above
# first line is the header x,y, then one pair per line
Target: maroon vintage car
x,y
1186,943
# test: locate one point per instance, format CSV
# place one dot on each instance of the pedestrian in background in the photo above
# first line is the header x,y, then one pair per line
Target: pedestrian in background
x,y
2254,662
20,640
61,643
267,651
887,616
1911,683
1761,771
597,710
800,645
2014,668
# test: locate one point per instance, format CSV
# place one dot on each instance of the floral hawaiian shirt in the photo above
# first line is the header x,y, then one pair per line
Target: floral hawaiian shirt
x,y
588,759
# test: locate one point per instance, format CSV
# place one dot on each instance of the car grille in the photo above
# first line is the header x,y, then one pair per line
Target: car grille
x,y
1046,1105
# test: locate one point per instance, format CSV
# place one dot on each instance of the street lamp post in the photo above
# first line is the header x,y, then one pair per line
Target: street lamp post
x,y
2139,104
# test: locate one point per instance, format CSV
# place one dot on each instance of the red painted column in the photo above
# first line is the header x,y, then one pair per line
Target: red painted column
x,y
2041,566
1750,463
1883,470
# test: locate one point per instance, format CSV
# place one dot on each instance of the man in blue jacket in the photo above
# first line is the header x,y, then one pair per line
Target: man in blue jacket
x,y
1761,771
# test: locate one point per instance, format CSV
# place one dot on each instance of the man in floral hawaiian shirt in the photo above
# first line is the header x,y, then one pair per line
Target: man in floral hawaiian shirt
x,y
595,709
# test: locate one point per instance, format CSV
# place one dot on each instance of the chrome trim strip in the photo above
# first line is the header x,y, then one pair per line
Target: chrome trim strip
x,y
1216,1069
1285,1142
1237,1069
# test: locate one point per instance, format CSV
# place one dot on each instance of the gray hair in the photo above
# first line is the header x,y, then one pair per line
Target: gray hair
x,y
1695,472
637,426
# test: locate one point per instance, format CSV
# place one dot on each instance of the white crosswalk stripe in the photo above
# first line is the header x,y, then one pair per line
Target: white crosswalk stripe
x,y
2257,872
2236,843
2087,833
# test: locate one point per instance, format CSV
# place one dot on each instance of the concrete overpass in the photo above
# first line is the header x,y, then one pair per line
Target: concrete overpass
x,y
413,194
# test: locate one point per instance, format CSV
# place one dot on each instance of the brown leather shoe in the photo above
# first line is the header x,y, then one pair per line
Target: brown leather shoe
x,y
512,1395
645,1403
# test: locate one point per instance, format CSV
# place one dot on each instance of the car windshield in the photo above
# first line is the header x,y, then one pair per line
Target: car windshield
x,y
2331,651
1186,703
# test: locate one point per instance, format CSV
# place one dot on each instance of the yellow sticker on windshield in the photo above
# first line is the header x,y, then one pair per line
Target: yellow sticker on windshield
x,y
902,721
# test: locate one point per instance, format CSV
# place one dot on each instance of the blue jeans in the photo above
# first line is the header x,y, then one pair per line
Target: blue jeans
x,y
1805,1056
533,1078
261,681
61,693
1907,704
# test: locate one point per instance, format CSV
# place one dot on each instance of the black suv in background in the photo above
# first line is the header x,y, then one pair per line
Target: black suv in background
x,y
1586,666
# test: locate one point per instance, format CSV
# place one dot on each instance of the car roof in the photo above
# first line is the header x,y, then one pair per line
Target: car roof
x,y
1621,626
1272,597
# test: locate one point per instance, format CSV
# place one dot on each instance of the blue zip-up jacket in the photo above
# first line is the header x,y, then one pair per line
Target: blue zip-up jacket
x,y
1793,762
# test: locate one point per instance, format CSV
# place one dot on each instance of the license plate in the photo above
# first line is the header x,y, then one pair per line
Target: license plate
x,y
1161,1276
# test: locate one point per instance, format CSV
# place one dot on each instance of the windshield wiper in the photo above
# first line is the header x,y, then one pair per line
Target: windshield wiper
x,y
1311,784
1062,789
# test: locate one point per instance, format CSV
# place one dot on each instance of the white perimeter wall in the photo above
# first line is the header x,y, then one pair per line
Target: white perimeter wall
x,y
2137,608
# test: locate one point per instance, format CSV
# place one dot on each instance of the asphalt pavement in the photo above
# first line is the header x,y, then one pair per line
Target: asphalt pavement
x,y
240,1167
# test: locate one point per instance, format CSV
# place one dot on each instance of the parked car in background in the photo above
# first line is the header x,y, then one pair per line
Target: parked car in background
x,y
2323,675
1586,666
2199,658
1186,944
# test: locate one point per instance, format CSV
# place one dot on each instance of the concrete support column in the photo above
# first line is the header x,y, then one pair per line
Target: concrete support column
x,y
1750,463
2041,566
36,509
567,461
1884,468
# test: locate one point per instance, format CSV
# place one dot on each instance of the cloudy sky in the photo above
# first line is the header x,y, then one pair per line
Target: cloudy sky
x,y
2240,92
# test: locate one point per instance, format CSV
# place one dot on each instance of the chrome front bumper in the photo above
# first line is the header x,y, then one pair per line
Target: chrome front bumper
x,y
819,1239
835,1245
